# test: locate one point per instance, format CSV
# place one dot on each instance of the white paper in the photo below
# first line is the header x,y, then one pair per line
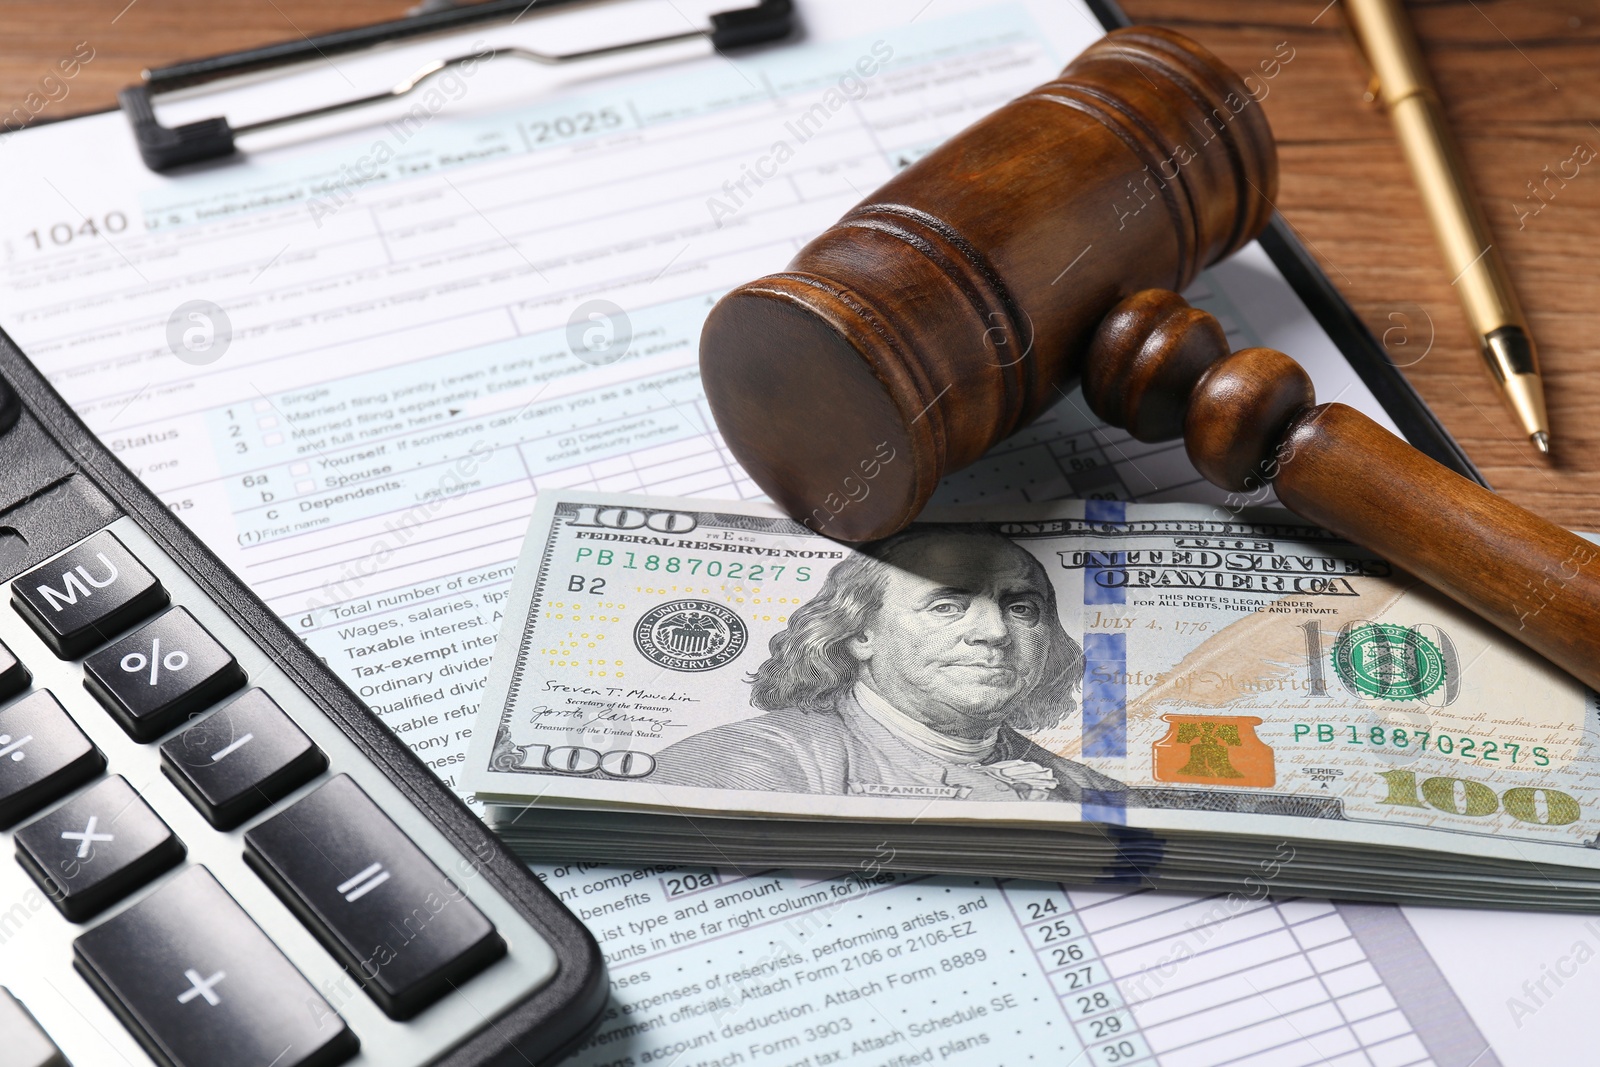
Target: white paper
x,y
399,381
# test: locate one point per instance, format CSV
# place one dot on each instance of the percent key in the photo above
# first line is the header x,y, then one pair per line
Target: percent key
x,y
160,673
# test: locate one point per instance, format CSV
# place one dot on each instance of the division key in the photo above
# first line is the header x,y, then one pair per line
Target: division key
x,y
43,755
199,984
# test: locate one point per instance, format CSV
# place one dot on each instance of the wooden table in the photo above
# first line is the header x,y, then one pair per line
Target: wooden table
x,y
1518,78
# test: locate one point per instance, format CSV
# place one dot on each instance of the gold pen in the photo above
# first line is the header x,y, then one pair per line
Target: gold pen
x,y
1390,46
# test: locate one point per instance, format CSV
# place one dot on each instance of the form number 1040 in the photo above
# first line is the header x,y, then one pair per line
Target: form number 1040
x,y
60,234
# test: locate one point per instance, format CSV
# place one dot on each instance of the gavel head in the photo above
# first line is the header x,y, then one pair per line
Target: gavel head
x,y
955,304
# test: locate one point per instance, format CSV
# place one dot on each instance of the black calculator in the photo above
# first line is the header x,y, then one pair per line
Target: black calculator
x,y
222,857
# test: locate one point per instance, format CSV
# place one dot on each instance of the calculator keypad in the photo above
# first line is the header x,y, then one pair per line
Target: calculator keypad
x,y
164,670
192,975
201,985
89,594
97,848
240,758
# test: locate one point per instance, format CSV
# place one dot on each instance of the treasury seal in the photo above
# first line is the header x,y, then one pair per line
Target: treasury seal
x,y
1388,661
690,635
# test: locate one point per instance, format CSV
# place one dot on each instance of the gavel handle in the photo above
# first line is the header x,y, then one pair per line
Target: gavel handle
x,y
1536,581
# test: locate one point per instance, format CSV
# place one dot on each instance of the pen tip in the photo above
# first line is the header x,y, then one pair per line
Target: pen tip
x,y
1541,441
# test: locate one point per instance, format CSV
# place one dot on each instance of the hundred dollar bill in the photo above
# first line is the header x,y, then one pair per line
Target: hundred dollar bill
x,y
678,678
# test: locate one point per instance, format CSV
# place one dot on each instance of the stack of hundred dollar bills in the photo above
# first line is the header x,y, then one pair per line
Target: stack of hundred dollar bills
x,y
1186,696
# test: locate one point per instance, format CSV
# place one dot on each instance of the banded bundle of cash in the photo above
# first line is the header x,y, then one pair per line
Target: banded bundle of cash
x,y
1186,696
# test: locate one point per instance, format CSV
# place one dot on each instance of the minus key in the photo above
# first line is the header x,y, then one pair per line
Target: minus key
x,y
241,758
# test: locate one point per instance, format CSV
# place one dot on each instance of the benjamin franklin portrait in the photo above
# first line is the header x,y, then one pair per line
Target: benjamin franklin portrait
x,y
915,671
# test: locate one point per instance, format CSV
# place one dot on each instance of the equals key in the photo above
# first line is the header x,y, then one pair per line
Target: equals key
x,y
372,897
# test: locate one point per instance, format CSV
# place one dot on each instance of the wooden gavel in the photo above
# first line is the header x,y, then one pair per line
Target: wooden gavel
x,y
1039,246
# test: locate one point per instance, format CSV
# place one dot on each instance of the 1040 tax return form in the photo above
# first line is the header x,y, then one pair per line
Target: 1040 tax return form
x,y
353,356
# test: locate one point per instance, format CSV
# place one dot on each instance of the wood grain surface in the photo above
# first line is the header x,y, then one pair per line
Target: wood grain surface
x,y
1520,80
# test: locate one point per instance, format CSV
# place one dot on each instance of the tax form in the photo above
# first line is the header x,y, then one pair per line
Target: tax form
x,y
352,359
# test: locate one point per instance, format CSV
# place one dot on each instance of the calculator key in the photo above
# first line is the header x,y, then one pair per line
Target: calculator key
x,y
14,677
241,758
86,596
160,673
43,755
97,848
372,897
26,1044
199,985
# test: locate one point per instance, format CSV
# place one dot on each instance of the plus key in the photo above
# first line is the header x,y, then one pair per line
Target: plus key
x,y
200,985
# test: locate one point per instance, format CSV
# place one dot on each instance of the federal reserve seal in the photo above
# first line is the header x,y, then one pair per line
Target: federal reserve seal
x,y
1388,661
690,635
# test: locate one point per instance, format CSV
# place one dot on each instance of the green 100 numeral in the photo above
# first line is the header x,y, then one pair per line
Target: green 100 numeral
x,y
1459,796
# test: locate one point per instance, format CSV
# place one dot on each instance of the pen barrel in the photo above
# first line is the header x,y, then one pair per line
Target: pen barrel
x,y
1460,228
1531,578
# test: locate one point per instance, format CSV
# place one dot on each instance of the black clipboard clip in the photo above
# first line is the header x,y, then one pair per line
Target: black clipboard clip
x,y
166,147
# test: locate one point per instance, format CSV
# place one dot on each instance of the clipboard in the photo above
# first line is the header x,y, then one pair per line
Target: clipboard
x,y
765,22
165,147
